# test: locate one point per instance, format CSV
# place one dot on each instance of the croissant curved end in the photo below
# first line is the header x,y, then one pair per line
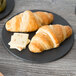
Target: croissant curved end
x,y
51,17
34,49
8,27
68,31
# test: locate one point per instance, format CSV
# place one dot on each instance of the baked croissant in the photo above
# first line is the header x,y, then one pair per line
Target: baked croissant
x,y
48,37
28,21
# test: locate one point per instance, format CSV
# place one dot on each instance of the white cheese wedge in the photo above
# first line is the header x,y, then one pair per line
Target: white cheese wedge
x,y
19,41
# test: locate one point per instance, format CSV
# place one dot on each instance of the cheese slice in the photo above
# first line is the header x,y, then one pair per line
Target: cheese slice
x,y
19,41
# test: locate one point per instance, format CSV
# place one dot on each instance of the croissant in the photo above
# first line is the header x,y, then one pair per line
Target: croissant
x,y
48,37
28,21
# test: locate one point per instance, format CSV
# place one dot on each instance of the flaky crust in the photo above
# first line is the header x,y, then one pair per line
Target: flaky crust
x,y
48,37
28,21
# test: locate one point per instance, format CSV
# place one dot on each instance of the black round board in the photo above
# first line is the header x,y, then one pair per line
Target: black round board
x,y
46,56
9,7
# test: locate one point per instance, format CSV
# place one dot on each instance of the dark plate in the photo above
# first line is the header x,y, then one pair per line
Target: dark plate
x,y
46,56
8,9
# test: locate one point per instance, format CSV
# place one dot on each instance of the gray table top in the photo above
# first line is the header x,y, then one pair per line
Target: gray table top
x,y
66,66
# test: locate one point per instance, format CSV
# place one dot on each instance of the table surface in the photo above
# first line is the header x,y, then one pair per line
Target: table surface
x,y
66,66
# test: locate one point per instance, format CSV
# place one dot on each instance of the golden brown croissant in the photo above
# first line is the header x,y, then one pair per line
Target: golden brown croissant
x,y
28,21
48,37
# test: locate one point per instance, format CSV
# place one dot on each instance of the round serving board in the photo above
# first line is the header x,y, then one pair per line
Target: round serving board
x,y
46,56
9,7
